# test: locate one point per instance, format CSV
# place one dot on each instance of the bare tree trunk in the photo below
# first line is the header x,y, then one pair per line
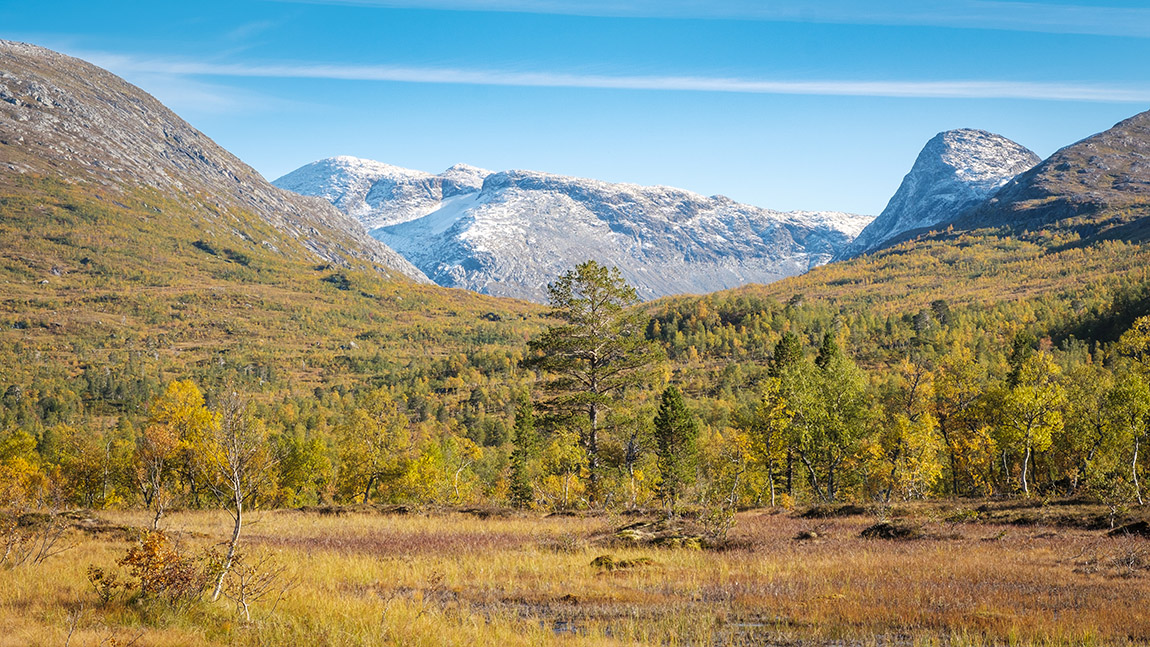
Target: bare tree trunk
x,y
893,473
592,447
1134,470
1005,469
567,490
1025,470
367,490
814,476
107,469
950,455
790,471
830,477
238,517
771,479
634,492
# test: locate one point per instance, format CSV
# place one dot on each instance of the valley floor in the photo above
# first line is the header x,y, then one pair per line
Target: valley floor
x,y
407,577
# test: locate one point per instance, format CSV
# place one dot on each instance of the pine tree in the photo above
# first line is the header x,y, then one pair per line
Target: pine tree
x,y
788,351
676,435
523,438
599,351
828,352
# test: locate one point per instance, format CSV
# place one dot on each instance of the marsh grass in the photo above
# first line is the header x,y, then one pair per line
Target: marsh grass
x,y
448,578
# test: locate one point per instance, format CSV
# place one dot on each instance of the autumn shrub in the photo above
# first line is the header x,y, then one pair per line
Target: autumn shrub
x,y
251,579
104,583
163,572
717,520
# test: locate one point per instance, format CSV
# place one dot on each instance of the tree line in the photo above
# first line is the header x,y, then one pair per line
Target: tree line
x,y
774,404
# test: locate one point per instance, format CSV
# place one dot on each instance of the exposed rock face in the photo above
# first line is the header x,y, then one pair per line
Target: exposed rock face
x,y
65,118
1101,182
510,233
956,171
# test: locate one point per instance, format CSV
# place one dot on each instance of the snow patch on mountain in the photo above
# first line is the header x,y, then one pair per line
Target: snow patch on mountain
x,y
379,194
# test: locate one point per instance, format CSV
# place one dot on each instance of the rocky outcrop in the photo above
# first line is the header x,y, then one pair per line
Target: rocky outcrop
x,y
956,171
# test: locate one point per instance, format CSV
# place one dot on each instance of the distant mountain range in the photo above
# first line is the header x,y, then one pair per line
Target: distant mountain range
x,y
510,233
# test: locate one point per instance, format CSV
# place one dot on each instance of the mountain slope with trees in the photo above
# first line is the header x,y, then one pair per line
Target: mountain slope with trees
x,y
962,363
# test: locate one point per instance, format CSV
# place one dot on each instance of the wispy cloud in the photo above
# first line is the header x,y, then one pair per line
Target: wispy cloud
x,y
970,14
249,30
188,94
956,89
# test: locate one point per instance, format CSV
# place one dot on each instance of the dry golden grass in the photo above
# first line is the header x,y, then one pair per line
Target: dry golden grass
x,y
456,579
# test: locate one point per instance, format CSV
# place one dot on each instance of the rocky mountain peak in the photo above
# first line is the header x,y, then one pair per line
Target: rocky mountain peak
x,y
955,171
976,157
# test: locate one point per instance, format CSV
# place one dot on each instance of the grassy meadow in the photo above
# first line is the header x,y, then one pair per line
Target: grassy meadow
x,y
372,576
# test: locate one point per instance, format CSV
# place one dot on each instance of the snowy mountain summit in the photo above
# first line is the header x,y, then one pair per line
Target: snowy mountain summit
x,y
956,171
379,194
510,233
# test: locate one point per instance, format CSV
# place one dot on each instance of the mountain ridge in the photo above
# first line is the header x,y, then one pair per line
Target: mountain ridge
x,y
518,229
954,172
1093,179
63,117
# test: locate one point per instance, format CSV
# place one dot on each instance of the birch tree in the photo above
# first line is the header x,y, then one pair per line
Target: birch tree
x,y
242,467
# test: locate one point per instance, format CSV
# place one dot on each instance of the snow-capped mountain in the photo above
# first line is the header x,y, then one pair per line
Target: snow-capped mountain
x,y
510,233
379,194
956,171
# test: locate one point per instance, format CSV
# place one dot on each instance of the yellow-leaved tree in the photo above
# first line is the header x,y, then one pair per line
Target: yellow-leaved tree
x,y
20,474
1030,410
959,386
907,446
374,447
768,431
1135,344
174,446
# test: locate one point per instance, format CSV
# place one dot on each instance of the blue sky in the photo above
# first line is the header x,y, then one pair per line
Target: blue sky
x,y
785,104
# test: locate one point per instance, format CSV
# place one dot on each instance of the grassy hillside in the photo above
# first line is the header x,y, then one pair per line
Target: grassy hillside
x,y
84,269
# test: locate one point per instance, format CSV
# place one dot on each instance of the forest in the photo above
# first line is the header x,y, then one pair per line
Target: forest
x,y
788,404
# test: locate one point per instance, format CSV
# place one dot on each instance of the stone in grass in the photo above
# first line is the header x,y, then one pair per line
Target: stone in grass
x,y
807,535
609,562
678,533
690,542
892,530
